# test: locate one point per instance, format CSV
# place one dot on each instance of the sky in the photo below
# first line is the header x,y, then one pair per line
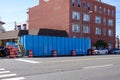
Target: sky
x,y
15,10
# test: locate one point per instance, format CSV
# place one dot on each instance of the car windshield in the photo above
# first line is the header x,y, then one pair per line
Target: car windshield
x,y
100,49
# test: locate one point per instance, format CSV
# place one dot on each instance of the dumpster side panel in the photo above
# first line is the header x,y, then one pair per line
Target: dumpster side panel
x,y
41,44
50,46
36,45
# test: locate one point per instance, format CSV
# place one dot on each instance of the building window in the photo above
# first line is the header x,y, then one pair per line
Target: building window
x,y
100,9
113,13
110,32
104,31
98,31
86,29
75,28
75,15
73,2
110,22
86,17
104,21
84,4
98,19
89,5
108,12
78,3
105,11
95,8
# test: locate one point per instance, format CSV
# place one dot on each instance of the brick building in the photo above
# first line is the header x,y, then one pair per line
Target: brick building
x,y
79,18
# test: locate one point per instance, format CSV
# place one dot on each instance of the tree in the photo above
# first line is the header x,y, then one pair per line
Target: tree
x,y
101,43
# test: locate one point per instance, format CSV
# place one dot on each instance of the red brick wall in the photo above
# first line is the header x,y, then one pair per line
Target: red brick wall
x,y
53,15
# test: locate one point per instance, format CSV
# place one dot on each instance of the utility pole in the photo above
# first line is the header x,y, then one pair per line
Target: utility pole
x,y
118,41
15,26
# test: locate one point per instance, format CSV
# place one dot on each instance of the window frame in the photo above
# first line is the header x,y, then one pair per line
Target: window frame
x,y
75,28
86,29
75,15
98,19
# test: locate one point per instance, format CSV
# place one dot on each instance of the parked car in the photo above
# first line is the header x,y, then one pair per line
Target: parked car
x,y
90,51
101,51
114,51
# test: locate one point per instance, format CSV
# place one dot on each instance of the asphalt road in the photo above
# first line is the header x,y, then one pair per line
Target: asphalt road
x,y
104,67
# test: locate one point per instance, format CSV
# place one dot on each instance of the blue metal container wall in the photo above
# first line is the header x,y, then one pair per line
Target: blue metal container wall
x,y
77,47
43,45
50,46
86,44
73,44
62,46
82,45
36,46
54,43
65,46
69,46
45,42
58,46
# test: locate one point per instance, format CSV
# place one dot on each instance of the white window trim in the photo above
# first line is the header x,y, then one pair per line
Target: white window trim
x,y
75,28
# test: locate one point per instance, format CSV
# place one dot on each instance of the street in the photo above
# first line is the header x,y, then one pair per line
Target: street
x,y
102,67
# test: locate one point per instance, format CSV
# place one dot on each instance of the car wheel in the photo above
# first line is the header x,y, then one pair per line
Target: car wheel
x,y
98,53
106,52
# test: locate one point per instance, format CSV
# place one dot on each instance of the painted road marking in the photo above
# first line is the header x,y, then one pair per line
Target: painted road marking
x,y
28,61
4,72
2,69
72,60
100,66
7,75
17,78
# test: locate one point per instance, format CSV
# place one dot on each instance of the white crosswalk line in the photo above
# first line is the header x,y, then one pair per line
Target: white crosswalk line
x,y
2,69
17,78
28,61
7,75
4,72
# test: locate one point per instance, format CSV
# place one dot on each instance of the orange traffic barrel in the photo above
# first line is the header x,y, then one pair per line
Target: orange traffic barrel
x,y
16,52
54,53
30,53
73,53
12,53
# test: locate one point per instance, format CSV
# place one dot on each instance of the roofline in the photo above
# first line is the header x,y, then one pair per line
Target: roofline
x,y
106,4
2,22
